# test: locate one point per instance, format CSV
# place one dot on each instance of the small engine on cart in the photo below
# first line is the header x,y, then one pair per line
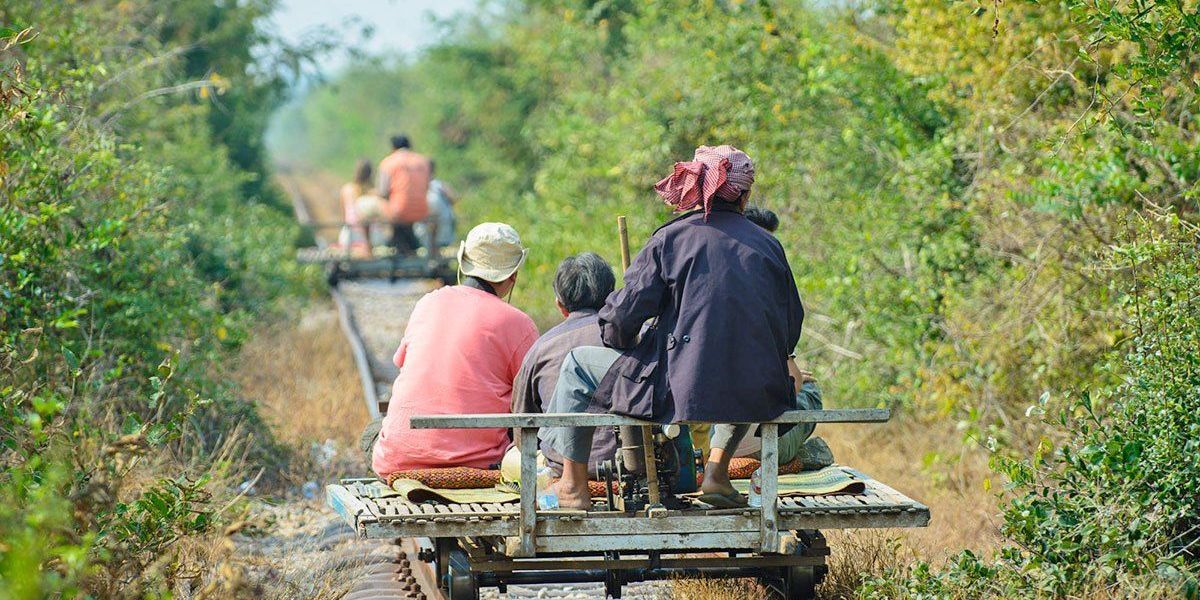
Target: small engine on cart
x,y
628,470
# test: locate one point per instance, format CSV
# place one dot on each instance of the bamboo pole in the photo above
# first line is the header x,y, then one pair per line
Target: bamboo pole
x,y
623,231
647,435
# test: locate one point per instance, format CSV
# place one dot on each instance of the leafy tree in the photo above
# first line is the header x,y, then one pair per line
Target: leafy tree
x,y
962,187
131,265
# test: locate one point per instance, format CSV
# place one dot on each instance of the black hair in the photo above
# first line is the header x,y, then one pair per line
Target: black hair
x,y
583,281
400,141
763,218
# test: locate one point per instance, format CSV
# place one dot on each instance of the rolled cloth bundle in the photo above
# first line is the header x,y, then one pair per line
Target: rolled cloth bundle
x,y
721,172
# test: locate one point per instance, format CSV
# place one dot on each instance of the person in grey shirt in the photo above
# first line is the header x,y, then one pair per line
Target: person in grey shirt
x,y
581,284
437,230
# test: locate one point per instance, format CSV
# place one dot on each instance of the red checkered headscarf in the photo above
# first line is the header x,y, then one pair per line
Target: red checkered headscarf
x,y
723,172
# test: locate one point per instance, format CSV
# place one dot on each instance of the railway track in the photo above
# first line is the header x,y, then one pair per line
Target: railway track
x,y
390,571
373,314
396,574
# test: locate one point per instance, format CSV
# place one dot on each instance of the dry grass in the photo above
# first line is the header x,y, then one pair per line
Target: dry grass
x,y
965,514
857,557
320,192
1134,589
282,553
717,589
302,376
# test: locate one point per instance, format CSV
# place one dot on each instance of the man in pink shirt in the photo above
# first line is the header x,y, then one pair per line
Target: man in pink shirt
x,y
460,354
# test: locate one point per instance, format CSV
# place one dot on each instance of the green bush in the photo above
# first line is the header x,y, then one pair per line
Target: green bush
x,y
1105,506
131,265
1116,507
1121,496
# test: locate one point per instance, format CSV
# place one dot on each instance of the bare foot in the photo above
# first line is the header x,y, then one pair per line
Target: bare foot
x,y
572,497
712,488
716,481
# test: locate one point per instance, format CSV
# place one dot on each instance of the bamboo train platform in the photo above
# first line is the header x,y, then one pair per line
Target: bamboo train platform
x,y
473,550
477,544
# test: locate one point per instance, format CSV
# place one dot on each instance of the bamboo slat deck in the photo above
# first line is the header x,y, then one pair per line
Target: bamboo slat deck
x,y
375,511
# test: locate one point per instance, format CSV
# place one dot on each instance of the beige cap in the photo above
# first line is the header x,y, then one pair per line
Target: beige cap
x,y
491,252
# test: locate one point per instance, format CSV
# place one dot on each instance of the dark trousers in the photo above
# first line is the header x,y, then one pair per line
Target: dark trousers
x,y
404,240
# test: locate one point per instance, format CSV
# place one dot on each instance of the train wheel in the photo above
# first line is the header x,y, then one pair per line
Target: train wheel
x,y
461,583
800,583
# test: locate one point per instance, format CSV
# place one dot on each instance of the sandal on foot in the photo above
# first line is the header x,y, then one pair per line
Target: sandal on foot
x,y
726,500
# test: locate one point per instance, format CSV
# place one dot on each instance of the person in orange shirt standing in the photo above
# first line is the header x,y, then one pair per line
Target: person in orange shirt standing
x,y
404,181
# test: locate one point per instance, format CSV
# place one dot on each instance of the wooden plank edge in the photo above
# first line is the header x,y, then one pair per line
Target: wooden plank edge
x,y
519,420
352,510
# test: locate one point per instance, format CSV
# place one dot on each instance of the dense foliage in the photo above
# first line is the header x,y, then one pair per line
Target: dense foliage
x,y
1114,512
936,187
989,208
132,260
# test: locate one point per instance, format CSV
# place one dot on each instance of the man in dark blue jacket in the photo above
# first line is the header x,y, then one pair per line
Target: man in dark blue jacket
x,y
725,316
